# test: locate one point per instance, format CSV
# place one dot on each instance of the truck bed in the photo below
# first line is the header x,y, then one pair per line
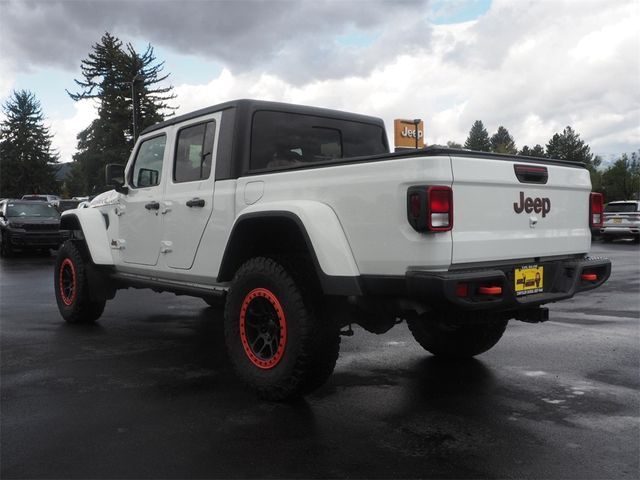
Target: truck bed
x,y
485,188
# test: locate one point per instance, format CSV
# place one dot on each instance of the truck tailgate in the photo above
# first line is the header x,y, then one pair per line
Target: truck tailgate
x,y
498,216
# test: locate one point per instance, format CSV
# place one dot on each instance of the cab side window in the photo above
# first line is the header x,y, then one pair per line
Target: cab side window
x,y
194,151
292,140
147,167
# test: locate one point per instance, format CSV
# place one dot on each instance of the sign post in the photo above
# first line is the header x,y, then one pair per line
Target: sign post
x,y
408,133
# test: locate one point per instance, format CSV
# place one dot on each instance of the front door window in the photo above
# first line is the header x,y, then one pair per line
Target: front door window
x,y
147,169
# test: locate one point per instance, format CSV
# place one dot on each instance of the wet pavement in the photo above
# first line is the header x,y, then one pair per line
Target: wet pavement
x,y
148,393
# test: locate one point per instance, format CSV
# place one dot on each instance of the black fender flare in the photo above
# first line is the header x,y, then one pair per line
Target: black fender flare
x,y
245,242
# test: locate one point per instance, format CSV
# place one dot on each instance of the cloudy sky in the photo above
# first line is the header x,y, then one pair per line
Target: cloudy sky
x,y
532,66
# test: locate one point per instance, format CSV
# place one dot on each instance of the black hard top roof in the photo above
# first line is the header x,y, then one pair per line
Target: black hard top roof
x,y
253,105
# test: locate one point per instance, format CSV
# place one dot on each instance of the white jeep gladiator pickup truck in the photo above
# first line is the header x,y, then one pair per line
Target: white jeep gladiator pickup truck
x,y
301,222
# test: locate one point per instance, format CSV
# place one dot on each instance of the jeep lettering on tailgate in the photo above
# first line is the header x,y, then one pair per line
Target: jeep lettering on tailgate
x,y
536,205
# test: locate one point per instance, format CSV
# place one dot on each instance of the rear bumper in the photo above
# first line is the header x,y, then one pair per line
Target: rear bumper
x,y
620,231
562,280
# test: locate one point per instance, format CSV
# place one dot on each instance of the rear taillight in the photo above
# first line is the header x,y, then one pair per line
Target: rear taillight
x,y
462,290
490,290
430,208
595,209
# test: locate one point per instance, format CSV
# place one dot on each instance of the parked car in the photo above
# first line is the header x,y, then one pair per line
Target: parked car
x,y
53,199
621,219
29,225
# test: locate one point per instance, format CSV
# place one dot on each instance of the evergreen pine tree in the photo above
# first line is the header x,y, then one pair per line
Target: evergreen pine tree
x,y
75,184
478,138
27,162
621,181
502,142
125,85
569,146
149,101
536,151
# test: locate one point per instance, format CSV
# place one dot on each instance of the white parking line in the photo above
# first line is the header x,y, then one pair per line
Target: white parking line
x,y
590,316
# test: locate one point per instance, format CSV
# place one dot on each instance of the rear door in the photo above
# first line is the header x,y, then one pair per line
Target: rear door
x,y
506,210
188,199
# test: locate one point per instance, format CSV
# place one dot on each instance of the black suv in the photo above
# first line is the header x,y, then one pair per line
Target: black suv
x,y
28,225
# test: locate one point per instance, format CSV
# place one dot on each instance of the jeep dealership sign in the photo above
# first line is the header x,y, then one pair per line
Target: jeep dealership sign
x,y
406,133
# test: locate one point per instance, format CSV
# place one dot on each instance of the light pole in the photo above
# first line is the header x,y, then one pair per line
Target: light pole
x,y
133,100
416,122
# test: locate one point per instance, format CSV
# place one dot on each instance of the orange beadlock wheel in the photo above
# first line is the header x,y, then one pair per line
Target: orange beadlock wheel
x,y
263,328
68,282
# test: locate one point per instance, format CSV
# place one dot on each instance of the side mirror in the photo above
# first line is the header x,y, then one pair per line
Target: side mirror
x,y
147,177
114,175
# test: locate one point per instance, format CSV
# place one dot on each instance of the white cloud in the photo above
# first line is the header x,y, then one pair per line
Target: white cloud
x,y
7,76
535,86
65,130
533,67
296,40
603,44
529,131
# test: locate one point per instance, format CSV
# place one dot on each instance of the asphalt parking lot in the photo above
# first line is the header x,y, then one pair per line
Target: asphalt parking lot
x,y
148,393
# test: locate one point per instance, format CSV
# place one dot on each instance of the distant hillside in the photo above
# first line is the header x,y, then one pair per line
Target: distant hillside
x,y
63,171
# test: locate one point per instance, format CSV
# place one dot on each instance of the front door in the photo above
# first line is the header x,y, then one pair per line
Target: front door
x,y
141,220
188,199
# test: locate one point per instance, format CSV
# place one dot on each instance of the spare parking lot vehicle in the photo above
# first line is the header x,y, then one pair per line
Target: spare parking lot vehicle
x,y
621,219
52,199
29,225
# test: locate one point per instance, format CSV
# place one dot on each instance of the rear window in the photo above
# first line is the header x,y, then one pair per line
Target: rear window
x,y
292,140
629,207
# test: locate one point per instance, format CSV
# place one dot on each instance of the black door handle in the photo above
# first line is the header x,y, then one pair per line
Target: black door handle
x,y
195,202
152,206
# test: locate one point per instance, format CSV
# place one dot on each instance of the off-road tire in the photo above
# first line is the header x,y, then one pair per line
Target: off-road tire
x,y
445,336
306,357
72,286
326,341
325,351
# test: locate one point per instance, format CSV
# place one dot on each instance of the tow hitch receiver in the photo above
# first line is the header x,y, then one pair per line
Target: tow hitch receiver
x,y
533,315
